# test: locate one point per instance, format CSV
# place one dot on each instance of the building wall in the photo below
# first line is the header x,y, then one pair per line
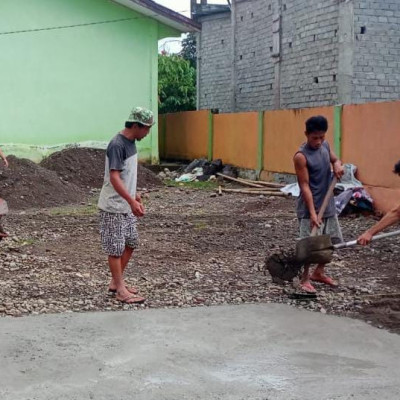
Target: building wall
x,y
309,53
215,70
325,58
78,82
376,74
254,66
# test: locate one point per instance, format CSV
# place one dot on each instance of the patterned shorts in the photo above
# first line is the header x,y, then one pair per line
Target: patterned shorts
x,y
118,231
330,226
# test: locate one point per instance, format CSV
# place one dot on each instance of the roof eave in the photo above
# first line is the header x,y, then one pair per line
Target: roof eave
x,y
162,14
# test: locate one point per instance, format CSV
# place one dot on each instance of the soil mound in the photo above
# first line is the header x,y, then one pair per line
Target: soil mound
x,y
147,179
25,184
65,177
84,167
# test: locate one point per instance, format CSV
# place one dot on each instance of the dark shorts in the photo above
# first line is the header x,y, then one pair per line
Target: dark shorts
x,y
118,231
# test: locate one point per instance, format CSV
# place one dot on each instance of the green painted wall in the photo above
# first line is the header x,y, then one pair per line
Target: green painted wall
x,y
77,83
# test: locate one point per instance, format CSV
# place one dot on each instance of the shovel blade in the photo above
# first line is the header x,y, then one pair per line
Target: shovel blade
x,y
320,257
314,250
3,207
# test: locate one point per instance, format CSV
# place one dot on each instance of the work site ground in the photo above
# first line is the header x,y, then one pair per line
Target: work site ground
x,y
197,249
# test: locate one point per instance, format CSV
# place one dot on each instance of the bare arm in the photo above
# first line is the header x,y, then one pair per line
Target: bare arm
x,y
338,169
389,219
300,165
2,155
118,184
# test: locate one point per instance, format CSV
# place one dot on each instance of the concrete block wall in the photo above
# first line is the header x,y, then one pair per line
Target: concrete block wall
x,y
376,64
254,65
331,51
309,53
215,71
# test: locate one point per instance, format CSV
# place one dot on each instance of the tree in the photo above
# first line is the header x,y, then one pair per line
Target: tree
x,y
176,84
188,51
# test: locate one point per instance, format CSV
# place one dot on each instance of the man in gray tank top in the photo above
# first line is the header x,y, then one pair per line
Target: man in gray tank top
x,y
312,163
119,203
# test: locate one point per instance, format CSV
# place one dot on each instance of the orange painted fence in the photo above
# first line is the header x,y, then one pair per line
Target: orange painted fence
x,y
183,135
371,140
365,135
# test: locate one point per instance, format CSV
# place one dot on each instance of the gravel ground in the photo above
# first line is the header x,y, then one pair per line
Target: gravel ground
x,y
196,250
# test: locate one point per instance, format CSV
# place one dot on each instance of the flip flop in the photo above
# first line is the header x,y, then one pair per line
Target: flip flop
x,y
326,280
113,292
308,288
131,299
303,296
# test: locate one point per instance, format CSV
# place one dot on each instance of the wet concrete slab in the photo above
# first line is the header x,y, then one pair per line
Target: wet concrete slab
x,y
263,351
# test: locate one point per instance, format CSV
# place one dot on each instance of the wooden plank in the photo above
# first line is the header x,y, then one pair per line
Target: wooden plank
x,y
238,180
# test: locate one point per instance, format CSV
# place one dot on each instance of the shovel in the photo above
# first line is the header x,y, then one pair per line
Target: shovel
x,y
319,249
310,250
3,208
286,266
3,211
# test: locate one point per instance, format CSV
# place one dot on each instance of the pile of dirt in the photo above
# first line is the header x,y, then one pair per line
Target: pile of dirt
x,y
147,179
84,167
28,185
65,177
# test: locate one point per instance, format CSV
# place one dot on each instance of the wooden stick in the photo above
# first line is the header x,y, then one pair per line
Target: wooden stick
x,y
220,190
269,184
272,189
267,193
242,181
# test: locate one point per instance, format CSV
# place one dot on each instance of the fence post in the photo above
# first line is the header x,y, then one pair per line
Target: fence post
x,y
337,129
210,134
260,145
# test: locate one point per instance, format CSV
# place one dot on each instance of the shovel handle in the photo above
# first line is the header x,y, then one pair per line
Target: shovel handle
x,y
377,237
327,197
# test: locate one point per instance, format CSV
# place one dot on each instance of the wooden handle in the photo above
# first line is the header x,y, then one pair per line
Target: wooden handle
x,y
327,197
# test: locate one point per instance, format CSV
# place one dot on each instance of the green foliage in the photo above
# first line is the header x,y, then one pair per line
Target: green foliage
x,y
188,51
176,84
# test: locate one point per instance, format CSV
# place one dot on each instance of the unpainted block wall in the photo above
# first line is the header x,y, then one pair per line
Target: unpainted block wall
x,y
308,56
254,65
308,74
309,53
215,70
376,74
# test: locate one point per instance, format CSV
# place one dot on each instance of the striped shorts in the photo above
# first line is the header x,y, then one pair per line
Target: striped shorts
x,y
118,231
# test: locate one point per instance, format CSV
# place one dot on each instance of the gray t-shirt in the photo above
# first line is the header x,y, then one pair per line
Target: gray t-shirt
x,y
320,177
121,155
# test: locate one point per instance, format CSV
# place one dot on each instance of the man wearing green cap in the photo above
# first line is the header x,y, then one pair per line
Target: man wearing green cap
x,y
119,203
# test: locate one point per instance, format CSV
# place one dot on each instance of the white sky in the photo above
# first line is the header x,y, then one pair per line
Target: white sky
x,y
173,45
